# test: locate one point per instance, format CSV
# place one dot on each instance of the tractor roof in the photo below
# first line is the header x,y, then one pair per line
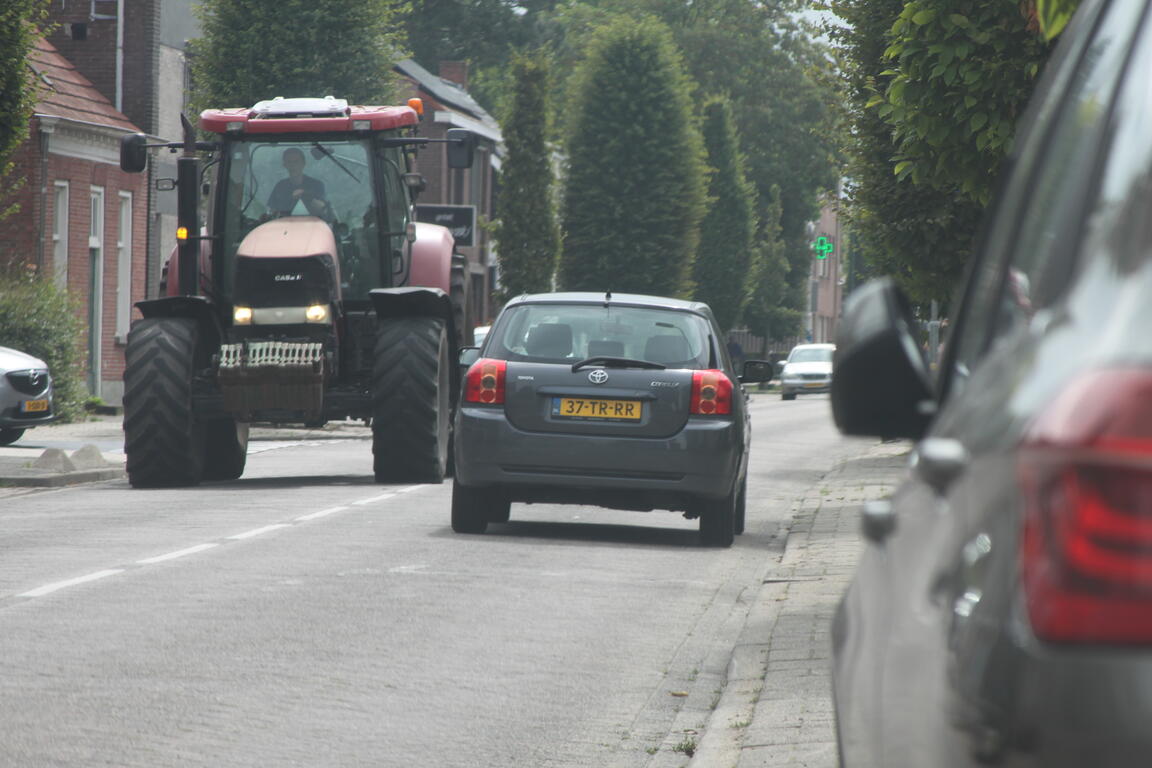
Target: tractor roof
x,y
306,115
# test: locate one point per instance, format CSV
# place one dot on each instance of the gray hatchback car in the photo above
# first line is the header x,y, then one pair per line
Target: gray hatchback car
x,y
621,401
26,397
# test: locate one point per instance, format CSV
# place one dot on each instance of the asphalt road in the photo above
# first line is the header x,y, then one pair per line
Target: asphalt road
x,y
304,616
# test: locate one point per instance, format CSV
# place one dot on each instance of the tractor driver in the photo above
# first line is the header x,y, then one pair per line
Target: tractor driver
x,y
298,187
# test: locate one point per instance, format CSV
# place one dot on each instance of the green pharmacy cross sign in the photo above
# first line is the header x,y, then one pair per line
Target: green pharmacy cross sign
x,y
823,247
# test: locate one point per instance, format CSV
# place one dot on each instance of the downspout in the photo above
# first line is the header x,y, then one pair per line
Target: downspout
x,y
119,55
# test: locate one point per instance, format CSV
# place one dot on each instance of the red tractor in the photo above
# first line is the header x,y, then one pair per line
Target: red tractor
x,y
309,294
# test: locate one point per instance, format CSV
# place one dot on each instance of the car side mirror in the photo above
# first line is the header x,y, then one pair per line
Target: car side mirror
x,y
882,386
757,371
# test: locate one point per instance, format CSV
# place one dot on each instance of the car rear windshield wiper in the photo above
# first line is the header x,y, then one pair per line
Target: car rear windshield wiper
x,y
616,362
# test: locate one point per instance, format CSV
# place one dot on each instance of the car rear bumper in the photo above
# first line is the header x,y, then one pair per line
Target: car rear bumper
x,y
702,460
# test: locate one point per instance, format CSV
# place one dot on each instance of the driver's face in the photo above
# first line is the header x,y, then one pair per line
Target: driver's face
x,y
294,163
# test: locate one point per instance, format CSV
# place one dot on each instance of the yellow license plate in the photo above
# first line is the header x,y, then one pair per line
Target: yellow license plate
x,y
814,384
34,406
588,408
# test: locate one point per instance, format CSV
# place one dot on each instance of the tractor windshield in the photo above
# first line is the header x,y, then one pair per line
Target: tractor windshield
x,y
331,180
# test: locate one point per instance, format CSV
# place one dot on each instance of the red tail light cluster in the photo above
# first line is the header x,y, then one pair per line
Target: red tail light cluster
x,y
485,382
711,393
1086,550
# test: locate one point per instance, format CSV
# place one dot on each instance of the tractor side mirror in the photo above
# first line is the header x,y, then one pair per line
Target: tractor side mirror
x,y
133,152
461,147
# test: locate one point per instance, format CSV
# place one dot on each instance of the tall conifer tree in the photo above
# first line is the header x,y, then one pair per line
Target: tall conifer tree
x,y
724,258
636,176
258,49
527,233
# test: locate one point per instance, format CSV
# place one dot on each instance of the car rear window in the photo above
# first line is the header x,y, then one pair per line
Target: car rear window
x,y
572,332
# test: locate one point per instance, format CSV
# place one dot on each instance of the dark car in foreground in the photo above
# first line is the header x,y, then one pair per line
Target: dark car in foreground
x,y
26,398
616,400
1001,614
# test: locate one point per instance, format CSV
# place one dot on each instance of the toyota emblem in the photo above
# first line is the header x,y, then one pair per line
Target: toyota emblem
x,y
598,376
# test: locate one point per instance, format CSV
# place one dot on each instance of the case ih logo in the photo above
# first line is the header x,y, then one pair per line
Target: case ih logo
x,y
287,278
598,376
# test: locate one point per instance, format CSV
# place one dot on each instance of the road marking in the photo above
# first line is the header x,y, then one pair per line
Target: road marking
x,y
258,531
374,499
58,585
321,513
176,554
49,588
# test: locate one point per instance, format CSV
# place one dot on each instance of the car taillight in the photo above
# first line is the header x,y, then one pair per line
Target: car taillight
x,y
711,393
485,382
1086,551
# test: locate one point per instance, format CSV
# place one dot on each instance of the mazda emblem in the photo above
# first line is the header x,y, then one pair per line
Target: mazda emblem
x,y
598,376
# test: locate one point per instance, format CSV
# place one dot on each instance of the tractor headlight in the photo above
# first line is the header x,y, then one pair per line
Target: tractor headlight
x,y
317,313
242,316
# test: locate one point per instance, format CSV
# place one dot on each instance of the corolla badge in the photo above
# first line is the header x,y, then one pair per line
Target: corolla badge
x,y
598,376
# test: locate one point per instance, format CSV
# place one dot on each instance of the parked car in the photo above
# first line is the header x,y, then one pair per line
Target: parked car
x,y
622,401
1001,614
808,369
26,398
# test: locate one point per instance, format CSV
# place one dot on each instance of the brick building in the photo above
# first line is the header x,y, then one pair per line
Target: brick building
x,y
447,104
81,218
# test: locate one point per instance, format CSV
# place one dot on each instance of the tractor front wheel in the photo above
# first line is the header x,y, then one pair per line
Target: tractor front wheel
x,y
411,406
163,441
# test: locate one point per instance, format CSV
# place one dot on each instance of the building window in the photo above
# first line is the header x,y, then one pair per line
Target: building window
x,y
124,268
60,234
95,288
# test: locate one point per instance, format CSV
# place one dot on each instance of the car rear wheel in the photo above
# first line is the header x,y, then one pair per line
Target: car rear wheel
x,y
469,508
718,520
9,436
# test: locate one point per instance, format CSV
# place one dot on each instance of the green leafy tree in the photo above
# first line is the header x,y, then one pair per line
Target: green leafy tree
x,y
21,24
913,215
727,233
42,320
636,178
257,49
527,231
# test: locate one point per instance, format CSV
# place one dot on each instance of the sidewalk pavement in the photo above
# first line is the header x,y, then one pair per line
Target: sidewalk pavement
x,y
776,707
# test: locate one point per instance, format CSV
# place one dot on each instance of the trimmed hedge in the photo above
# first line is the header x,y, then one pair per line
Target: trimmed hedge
x,y
39,319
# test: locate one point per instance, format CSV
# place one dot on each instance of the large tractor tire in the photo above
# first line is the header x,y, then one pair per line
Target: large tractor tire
x,y
225,449
411,405
163,441
458,294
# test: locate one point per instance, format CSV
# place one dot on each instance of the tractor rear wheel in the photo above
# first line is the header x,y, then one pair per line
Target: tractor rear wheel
x,y
458,295
225,449
163,441
411,406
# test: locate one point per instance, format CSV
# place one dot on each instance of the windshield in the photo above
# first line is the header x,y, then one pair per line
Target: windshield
x,y
811,355
573,332
330,180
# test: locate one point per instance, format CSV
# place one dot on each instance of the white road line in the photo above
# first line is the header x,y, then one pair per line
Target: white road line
x,y
409,488
49,588
176,554
258,531
321,513
374,499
